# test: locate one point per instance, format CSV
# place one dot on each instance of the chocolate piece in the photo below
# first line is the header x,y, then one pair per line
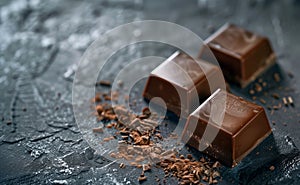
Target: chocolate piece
x,y
242,55
182,77
242,128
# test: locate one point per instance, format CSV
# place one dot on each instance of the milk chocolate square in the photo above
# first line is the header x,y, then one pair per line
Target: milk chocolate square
x,y
180,81
230,139
242,55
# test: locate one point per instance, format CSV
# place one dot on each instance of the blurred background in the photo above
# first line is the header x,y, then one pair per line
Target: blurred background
x,y
42,41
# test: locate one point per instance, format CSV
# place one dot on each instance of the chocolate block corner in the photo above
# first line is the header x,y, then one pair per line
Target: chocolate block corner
x,y
183,83
242,55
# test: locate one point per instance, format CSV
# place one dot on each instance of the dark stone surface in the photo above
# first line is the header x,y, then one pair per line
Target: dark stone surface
x,y
41,41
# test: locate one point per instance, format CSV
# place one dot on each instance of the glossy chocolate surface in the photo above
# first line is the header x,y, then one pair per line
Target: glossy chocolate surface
x,y
181,77
243,127
241,54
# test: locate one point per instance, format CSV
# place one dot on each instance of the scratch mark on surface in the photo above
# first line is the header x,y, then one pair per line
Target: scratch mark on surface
x,y
109,164
278,31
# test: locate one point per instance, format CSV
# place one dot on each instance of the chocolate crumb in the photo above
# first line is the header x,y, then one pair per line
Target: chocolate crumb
x,y
97,98
276,77
142,178
276,107
146,111
216,165
98,130
104,83
215,181
108,138
146,167
275,95
122,165
99,109
113,155
110,125
251,91
107,97
262,101
258,87
189,156
290,100
285,101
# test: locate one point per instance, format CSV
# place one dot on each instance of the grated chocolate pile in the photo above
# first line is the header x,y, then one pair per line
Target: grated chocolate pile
x,y
139,143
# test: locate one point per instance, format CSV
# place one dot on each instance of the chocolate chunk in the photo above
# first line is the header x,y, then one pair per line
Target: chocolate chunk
x,y
241,54
243,127
181,77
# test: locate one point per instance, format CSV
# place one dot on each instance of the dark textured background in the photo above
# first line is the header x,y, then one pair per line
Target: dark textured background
x,y
40,43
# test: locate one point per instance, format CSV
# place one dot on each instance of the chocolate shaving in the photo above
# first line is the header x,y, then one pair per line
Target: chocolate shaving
x,y
138,136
